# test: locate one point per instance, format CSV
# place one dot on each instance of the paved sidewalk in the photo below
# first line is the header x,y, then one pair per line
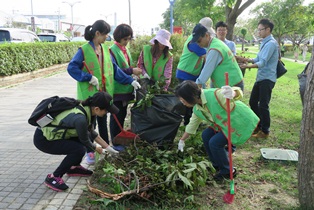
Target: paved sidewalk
x,y
23,167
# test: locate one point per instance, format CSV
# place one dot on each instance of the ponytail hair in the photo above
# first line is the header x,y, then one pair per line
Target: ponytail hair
x,y
100,25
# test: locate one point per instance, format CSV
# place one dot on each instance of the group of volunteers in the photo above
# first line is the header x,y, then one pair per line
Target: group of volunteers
x,y
106,80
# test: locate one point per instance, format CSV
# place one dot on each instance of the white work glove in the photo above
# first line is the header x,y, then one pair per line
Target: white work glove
x,y
228,92
181,145
136,85
110,150
94,81
146,76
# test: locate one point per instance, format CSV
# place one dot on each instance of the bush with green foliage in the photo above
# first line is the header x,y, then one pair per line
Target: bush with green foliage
x,y
27,57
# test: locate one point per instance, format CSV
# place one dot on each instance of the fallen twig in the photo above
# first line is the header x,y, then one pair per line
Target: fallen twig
x,y
120,195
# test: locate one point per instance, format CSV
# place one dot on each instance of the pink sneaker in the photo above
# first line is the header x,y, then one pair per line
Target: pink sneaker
x,y
55,183
79,171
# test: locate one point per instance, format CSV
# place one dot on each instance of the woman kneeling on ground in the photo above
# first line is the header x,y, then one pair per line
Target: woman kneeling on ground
x,y
71,135
209,105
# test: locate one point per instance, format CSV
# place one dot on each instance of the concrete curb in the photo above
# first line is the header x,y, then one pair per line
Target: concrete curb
x,y
19,78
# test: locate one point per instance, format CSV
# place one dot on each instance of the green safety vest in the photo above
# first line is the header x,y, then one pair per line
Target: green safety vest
x,y
57,132
104,73
243,119
228,64
123,64
189,61
157,70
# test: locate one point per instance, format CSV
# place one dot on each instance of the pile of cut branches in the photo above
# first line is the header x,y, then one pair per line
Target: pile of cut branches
x,y
144,171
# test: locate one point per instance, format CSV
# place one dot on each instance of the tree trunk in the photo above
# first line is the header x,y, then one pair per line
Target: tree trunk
x,y
233,13
306,153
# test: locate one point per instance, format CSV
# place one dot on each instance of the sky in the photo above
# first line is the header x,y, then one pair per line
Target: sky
x,y
145,14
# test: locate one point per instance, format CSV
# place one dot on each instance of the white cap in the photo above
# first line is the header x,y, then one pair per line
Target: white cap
x,y
208,23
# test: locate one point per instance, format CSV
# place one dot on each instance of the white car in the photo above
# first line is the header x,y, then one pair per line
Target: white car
x,y
51,37
17,35
78,39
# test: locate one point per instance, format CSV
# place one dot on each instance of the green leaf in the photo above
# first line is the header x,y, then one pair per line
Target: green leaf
x,y
170,176
191,165
187,182
188,170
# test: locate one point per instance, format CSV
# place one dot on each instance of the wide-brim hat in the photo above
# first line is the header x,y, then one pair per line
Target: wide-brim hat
x,y
163,37
208,24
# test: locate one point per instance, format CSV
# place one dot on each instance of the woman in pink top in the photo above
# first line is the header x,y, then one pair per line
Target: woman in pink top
x,y
156,60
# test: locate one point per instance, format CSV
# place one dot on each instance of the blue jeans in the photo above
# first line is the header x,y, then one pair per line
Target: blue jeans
x,y
214,143
259,102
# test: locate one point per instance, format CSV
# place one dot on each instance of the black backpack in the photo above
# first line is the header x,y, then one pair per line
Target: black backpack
x,y
50,107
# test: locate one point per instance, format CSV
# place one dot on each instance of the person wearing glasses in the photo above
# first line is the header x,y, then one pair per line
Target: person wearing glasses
x,y
219,59
94,70
221,31
266,62
123,93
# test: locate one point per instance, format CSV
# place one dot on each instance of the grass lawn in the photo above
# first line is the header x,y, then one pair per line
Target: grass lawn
x,y
261,184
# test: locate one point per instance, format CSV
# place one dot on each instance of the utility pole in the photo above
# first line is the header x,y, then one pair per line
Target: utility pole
x,y
129,12
171,15
71,5
58,24
32,18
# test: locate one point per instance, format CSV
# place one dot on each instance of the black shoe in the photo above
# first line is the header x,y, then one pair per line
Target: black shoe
x,y
79,171
220,177
55,183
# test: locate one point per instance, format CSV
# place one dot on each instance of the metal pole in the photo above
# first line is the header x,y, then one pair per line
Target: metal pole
x,y
71,5
130,12
59,20
32,18
171,15
72,27
32,7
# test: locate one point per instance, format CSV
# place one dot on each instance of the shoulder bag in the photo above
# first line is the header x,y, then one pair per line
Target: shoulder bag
x,y
281,69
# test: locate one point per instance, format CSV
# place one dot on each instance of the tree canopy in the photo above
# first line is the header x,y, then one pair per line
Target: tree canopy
x,y
294,24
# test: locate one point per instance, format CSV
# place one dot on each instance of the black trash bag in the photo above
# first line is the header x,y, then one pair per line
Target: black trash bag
x,y
145,83
302,82
159,123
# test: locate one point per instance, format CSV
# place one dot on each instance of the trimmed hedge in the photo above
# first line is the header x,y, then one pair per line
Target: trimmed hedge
x,y
27,57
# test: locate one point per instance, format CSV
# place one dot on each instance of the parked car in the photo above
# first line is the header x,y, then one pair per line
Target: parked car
x,y
52,37
78,39
82,39
17,35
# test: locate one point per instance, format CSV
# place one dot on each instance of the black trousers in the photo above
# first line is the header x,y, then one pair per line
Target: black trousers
x,y
259,102
102,128
72,148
